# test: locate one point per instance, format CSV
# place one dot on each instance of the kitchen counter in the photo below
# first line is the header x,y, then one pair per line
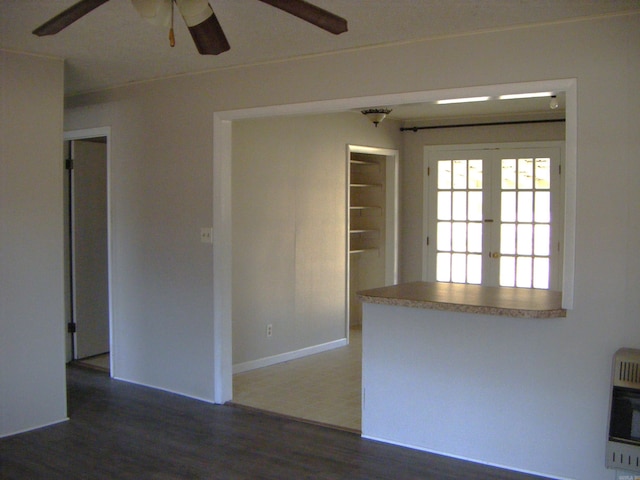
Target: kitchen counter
x,y
454,297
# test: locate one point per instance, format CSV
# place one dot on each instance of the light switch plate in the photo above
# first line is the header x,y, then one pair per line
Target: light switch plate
x,y
206,235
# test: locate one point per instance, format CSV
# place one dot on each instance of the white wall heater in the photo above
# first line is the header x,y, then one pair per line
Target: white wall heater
x,y
623,445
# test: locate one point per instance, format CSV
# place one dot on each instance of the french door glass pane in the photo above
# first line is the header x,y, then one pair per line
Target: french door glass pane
x,y
460,174
543,207
458,268
508,174
543,173
542,234
459,206
507,271
444,236
443,269
459,237
444,205
524,239
508,239
525,206
474,269
508,207
541,272
474,237
475,174
525,173
523,272
444,175
475,206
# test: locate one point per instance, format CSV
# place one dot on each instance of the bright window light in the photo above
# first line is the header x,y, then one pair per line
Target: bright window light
x,y
515,96
463,100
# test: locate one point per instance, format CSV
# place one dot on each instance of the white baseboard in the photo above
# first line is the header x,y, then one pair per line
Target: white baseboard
x,y
458,457
285,357
35,427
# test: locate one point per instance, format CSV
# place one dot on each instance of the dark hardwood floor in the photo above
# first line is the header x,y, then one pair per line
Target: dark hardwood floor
x,y
123,431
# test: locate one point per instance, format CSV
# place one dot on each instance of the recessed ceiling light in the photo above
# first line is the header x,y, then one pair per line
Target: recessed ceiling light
x,y
515,96
462,100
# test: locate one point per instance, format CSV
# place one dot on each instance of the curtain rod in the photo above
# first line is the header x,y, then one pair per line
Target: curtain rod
x,y
518,122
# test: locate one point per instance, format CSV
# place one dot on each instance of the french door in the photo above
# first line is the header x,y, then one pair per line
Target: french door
x,y
494,214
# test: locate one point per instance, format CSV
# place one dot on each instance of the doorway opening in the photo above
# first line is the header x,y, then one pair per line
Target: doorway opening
x,y
372,223
222,193
290,208
87,285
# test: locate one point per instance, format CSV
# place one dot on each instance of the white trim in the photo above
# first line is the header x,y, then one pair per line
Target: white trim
x,y
285,357
392,202
156,387
222,193
222,268
31,429
392,222
570,193
93,133
459,457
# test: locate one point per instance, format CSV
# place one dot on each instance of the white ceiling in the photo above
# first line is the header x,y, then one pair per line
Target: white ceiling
x,y
113,46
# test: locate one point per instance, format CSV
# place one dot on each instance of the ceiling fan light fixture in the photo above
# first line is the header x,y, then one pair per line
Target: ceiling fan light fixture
x,y
517,96
448,101
156,12
194,12
376,115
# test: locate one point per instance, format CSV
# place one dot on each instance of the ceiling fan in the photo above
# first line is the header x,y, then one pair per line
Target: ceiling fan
x,y
203,25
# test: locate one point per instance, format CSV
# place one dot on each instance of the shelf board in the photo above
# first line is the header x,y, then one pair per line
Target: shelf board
x,y
363,250
362,162
360,231
365,185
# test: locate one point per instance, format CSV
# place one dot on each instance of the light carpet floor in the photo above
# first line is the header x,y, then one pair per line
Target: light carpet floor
x,y
323,388
98,362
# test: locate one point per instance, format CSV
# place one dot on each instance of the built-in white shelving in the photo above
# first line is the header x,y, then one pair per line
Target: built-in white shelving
x,y
365,205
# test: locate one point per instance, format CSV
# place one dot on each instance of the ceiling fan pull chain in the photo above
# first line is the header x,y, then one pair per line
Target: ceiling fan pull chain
x,y
172,37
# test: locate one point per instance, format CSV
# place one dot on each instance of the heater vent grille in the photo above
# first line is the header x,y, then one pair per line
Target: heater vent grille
x,y
627,368
629,372
624,457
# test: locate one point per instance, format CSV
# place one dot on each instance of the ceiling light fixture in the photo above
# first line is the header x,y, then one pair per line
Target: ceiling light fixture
x,y
516,96
376,115
462,100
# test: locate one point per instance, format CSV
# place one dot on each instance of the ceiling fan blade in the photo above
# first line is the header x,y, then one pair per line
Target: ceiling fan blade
x,y
67,17
204,27
209,37
312,14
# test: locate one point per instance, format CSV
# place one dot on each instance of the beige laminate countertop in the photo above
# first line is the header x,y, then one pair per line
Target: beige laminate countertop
x,y
455,297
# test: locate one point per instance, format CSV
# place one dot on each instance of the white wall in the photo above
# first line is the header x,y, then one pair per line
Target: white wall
x,y
162,190
492,389
289,229
32,377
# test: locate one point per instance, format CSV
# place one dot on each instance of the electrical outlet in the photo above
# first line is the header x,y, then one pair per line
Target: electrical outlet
x,y
269,330
206,235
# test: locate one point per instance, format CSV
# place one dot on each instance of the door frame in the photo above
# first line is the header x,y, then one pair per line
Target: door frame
x,y
84,134
222,154
391,189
